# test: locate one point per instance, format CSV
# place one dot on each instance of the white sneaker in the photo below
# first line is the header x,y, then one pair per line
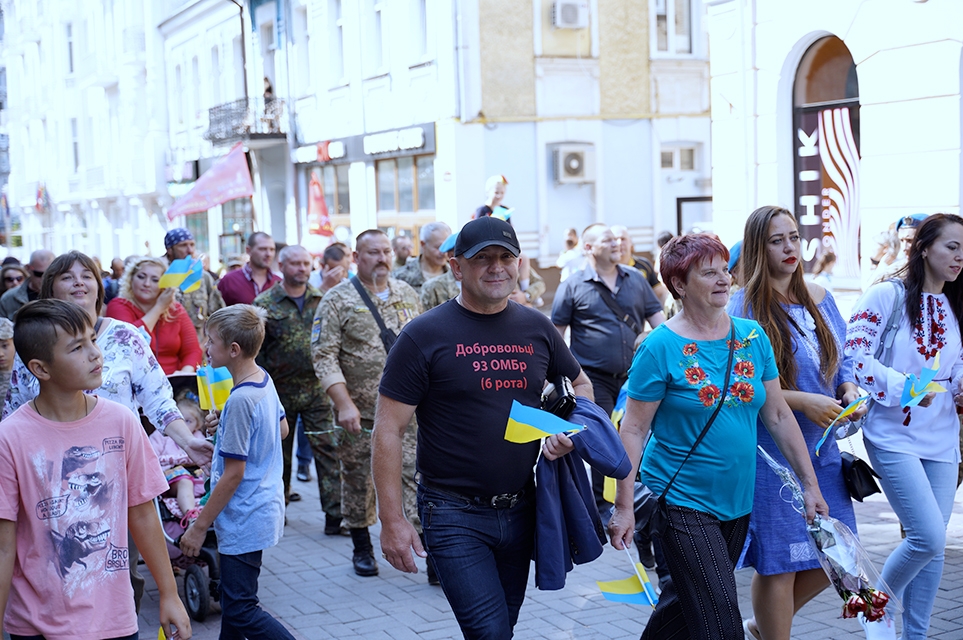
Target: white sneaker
x,y
883,629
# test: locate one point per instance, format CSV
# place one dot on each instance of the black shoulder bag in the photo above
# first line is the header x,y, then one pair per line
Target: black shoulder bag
x,y
388,336
609,299
659,520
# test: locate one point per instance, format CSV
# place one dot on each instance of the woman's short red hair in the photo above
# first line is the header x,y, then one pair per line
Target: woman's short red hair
x,y
681,252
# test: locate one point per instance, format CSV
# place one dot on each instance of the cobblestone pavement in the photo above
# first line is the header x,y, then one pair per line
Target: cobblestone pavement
x,y
308,583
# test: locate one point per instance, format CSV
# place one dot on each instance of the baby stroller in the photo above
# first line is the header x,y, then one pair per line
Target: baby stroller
x,y
199,590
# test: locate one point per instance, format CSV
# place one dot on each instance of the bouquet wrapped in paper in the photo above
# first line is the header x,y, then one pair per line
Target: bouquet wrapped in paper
x,y
842,557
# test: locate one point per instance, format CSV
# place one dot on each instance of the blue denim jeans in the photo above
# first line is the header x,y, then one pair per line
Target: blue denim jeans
x,y
305,455
241,613
482,556
921,493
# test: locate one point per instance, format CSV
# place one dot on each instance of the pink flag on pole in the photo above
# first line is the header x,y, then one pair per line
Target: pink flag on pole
x,y
228,179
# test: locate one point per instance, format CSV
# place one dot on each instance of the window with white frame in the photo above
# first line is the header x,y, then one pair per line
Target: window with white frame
x,y
681,158
406,184
673,27
215,75
374,37
336,20
196,90
75,143
419,31
302,54
178,95
70,48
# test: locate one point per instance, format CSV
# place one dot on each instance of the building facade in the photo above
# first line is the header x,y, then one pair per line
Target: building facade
x,y
87,146
846,113
411,105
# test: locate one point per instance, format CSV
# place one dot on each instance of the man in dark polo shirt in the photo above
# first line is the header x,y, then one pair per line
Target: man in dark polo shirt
x,y
460,366
248,282
603,340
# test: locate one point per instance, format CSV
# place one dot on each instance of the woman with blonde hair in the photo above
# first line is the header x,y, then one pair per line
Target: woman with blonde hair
x,y
142,303
807,334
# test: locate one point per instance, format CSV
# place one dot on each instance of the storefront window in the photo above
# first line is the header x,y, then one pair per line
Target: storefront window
x,y
344,200
238,217
196,223
426,181
386,185
406,185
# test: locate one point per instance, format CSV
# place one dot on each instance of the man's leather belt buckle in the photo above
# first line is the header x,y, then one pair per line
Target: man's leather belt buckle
x,y
506,500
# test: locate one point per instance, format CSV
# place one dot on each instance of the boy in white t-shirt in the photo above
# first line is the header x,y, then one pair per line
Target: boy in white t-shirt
x,y
246,505
76,472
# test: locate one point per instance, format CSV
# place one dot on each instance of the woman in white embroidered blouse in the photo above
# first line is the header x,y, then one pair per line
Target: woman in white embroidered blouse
x,y
131,374
915,448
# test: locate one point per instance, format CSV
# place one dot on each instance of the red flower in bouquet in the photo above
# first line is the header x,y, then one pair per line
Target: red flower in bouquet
x,y
853,606
690,349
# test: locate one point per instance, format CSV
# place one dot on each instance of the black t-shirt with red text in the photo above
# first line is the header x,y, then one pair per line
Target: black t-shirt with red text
x,y
462,370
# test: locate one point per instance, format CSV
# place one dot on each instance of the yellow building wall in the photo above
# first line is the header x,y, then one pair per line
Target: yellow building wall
x,y
563,43
507,58
624,82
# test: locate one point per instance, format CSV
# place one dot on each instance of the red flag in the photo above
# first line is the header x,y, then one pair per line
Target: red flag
x,y
228,179
319,222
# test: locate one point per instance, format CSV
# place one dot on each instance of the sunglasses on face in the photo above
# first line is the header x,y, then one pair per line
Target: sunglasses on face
x,y
37,274
13,279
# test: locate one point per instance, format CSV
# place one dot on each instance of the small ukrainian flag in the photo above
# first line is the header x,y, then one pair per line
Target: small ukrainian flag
x,y
527,424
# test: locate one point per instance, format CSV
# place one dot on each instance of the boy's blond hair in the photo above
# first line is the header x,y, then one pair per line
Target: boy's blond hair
x,y
240,323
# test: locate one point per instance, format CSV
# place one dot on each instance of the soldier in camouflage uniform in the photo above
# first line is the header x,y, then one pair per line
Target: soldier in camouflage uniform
x,y
285,355
202,302
349,356
432,262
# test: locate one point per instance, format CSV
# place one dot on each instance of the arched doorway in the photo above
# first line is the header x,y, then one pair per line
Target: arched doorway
x,y
826,143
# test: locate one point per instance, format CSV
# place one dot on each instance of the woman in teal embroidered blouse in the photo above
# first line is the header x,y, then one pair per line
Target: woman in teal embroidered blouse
x,y
675,384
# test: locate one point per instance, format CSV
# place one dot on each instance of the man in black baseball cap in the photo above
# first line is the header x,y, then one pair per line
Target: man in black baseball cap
x,y
462,365
485,232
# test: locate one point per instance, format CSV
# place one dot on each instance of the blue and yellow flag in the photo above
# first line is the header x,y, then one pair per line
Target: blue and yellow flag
x,y
609,484
527,424
635,589
176,273
193,280
213,387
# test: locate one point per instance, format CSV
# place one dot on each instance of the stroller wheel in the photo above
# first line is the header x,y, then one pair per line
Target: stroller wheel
x,y
196,593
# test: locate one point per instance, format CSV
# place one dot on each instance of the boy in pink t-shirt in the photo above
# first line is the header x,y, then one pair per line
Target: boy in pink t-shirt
x,y
76,472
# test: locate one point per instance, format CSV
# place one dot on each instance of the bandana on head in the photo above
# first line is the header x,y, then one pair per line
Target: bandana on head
x,y
177,236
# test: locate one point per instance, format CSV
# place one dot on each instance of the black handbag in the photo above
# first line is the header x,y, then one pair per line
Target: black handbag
x,y
388,336
659,520
859,476
559,398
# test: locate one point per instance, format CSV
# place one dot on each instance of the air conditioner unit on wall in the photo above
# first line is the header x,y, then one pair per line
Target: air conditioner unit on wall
x,y
574,163
570,14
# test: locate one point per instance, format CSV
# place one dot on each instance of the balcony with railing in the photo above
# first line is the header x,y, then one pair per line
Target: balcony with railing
x,y
259,122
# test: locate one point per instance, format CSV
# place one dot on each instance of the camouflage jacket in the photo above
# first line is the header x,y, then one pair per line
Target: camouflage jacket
x,y
439,290
346,342
412,273
201,303
285,353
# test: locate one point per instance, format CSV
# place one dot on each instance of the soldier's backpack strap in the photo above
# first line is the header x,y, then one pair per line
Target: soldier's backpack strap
x,y
388,336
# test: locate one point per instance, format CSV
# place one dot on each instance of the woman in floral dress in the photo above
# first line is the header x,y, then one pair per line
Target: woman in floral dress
x,y
916,449
675,384
807,334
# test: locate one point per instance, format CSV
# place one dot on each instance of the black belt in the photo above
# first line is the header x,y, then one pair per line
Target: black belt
x,y
605,374
501,501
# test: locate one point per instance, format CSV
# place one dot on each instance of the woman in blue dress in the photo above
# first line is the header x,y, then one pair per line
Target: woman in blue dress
x,y
807,335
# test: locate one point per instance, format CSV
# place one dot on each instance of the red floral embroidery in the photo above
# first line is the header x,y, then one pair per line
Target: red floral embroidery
x,y
936,315
690,349
708,395
745,369
694,375
742,391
